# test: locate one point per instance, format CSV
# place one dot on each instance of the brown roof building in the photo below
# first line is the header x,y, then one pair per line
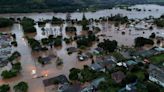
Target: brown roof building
x,y
118,76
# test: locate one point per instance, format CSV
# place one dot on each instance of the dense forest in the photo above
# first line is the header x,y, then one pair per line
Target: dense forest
x,y
23,6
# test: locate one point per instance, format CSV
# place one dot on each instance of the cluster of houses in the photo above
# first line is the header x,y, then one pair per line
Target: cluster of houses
x,y
65,86
149,53
103,63
5,48
156,72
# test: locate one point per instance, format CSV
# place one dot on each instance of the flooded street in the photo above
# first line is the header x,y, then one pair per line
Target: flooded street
x,y
29,58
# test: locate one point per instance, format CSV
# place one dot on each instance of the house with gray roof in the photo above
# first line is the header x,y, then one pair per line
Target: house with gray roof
x,y
97,67
107,62
93,85
97,81
156,75
69,88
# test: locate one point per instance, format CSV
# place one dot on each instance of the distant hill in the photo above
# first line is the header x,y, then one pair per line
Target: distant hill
x,y
19,6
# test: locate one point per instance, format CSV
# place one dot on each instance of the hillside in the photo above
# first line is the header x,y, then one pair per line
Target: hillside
x,y
19,6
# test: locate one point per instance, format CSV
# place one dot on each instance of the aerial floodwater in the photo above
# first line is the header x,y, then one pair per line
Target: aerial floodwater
x,y
156,11
123,35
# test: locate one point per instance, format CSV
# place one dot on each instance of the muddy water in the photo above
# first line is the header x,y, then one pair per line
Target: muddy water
x,y
156,11
29,59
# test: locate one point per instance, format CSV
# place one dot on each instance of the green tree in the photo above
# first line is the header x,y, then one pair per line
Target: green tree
x,y
152,87
4,88
153,35
74,74
28,25
34,43
8,74
141,41
87,74
83,41
4,22
57,21
108,46
21,87
70,29
45,41
159,22
84,23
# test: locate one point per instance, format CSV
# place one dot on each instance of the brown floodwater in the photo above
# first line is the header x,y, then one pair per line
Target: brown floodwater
x,y
29,58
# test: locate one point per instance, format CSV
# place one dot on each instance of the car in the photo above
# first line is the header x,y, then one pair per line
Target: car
x,y
81,57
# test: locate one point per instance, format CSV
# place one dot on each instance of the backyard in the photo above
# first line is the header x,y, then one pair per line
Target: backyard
x,y
157,59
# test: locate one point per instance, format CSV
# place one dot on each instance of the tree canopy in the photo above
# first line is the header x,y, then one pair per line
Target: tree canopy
x,y
21,87
141,41
4,88
28,25
108,46
4,22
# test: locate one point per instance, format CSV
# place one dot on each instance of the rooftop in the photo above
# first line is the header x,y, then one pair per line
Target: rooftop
x,y
69,88
131,62
61,78
97,81
156,72
96,67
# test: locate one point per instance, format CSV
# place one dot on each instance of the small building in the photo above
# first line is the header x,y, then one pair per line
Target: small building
x,y
128,64
110,59
145,53
131,63
5,48
87,89
44,60
97,81
118,76
129,88
94,85
69,88
98,51
3,62
62,79
97,67
156,75
159,49
108,62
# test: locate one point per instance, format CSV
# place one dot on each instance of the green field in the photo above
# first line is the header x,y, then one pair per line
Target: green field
x,y
158,59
